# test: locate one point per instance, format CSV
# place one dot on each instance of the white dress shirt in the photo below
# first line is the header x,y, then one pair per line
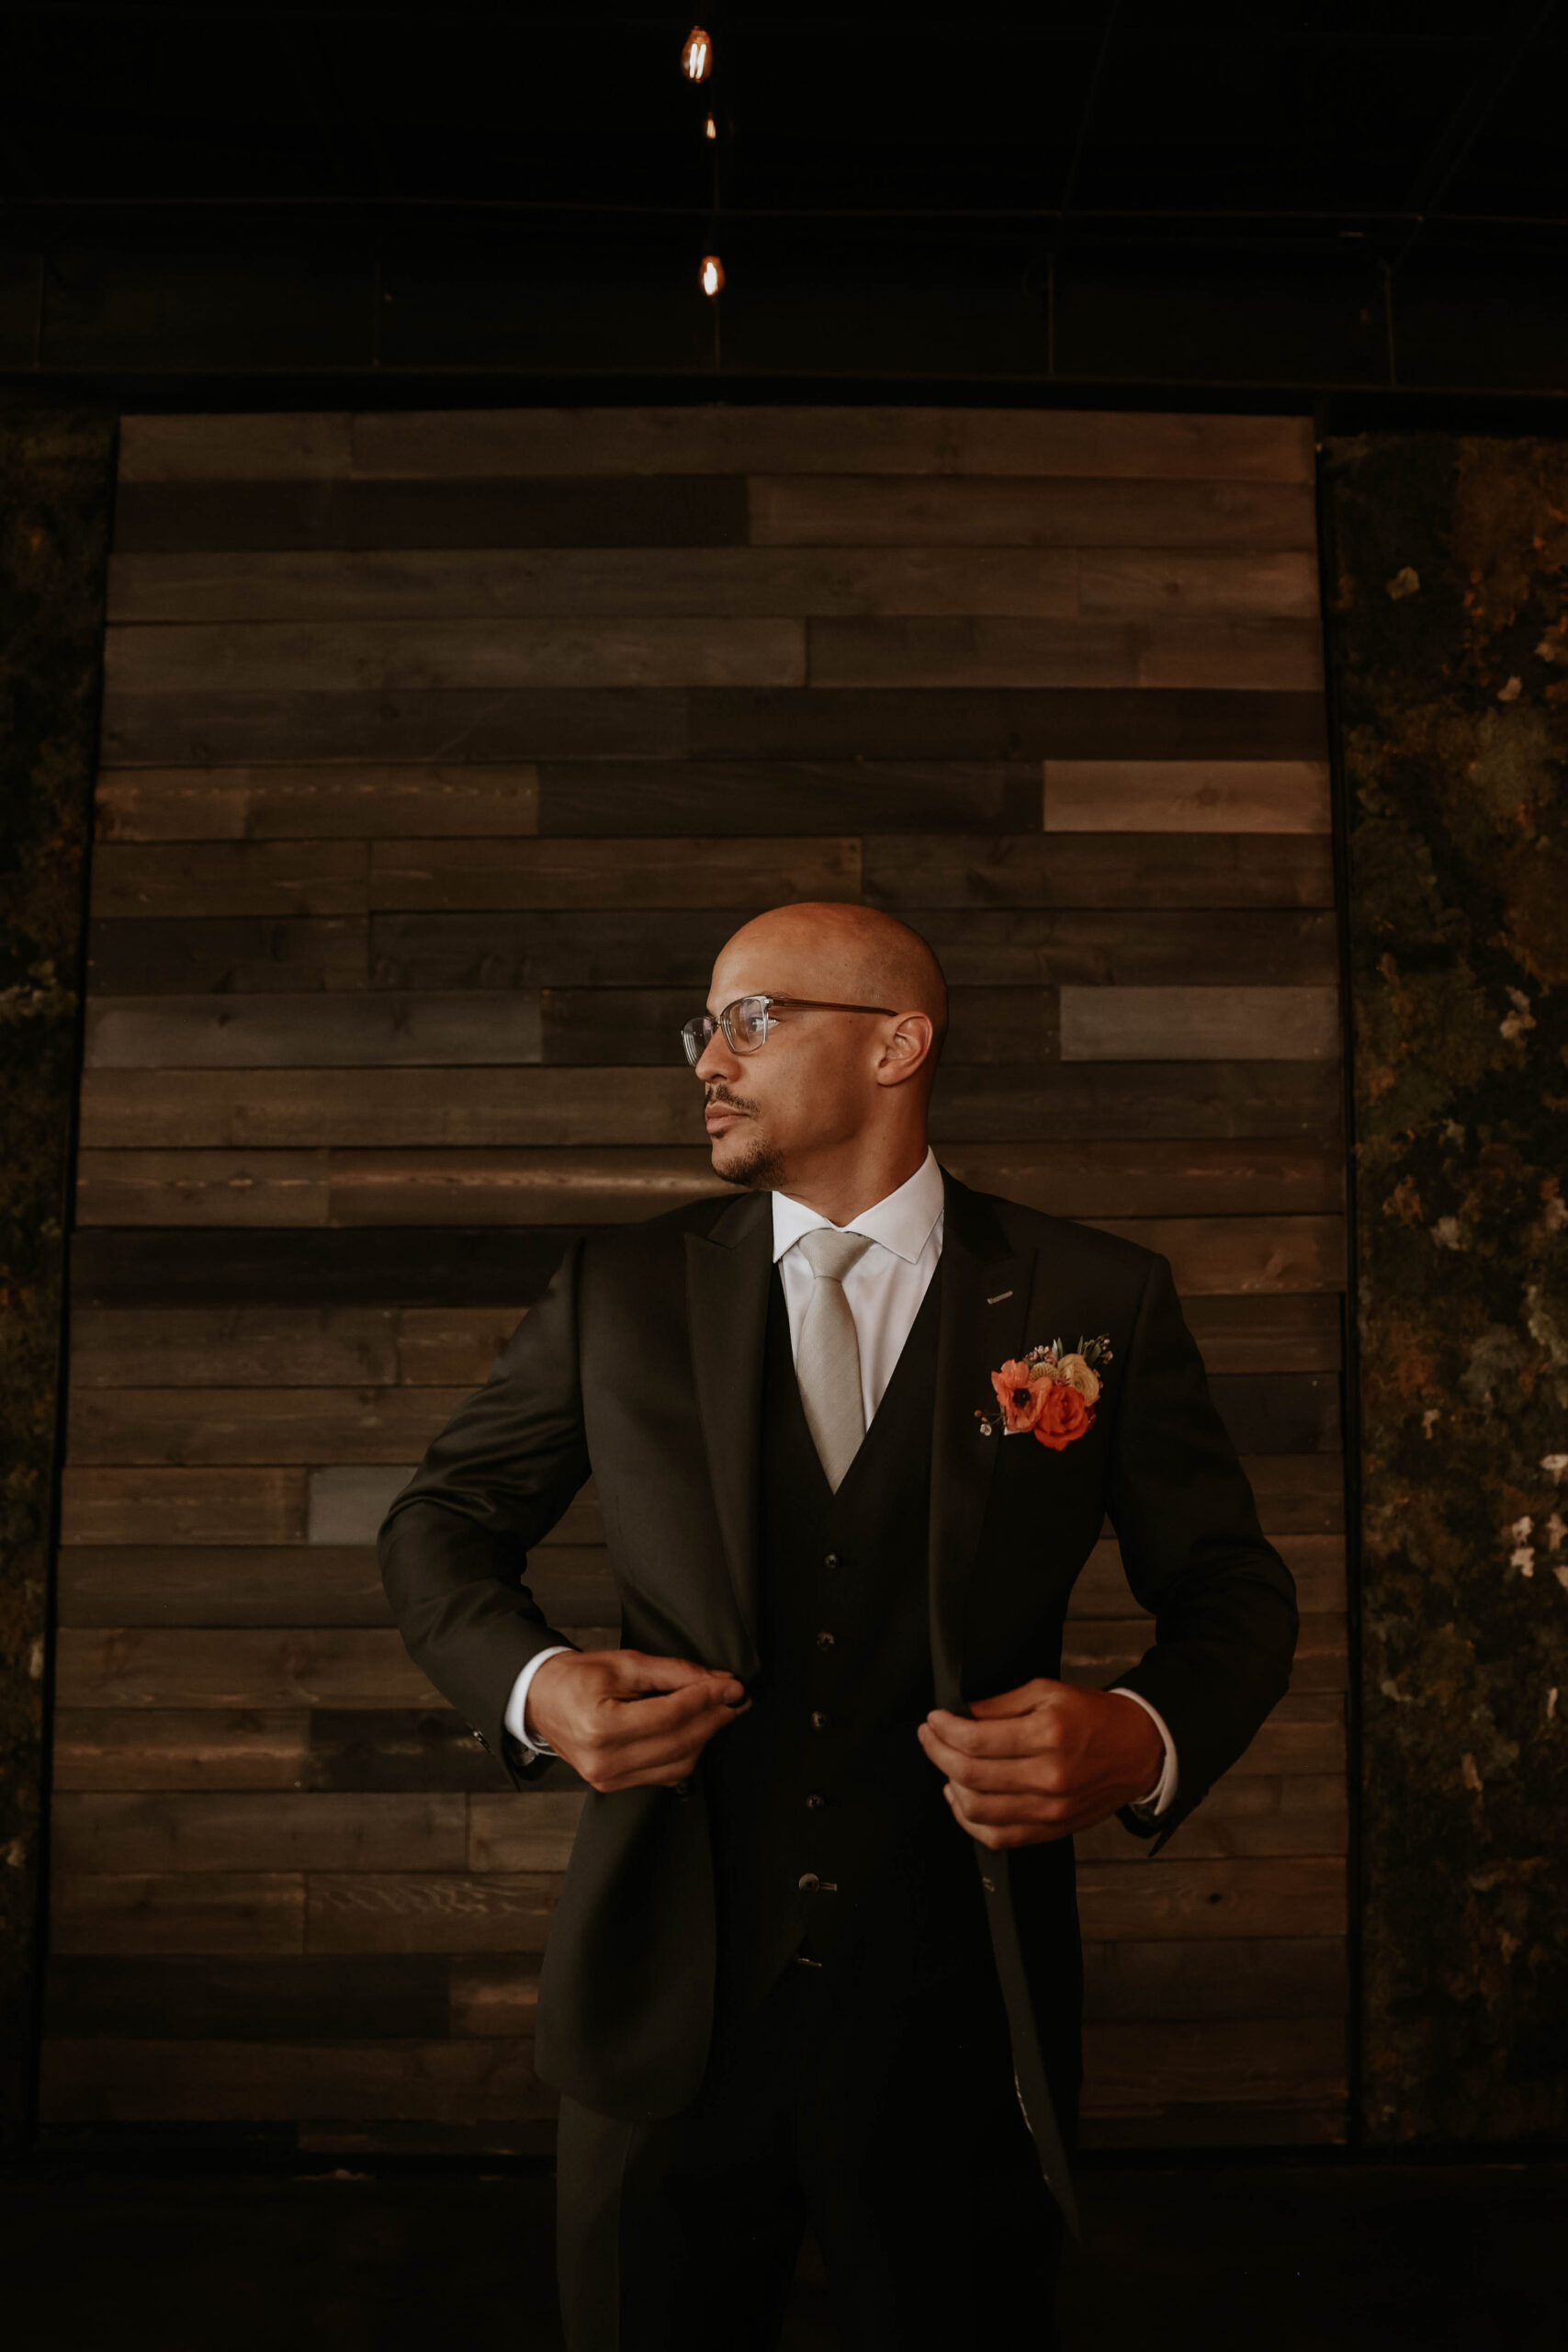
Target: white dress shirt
x,y
883,1291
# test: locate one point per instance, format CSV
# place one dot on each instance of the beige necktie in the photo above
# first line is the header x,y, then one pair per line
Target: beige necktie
x,y
827,1360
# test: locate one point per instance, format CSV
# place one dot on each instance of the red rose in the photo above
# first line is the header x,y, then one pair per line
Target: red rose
x,y
1063,1415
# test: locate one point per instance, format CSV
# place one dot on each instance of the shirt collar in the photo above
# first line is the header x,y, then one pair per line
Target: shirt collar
x,y
902,1221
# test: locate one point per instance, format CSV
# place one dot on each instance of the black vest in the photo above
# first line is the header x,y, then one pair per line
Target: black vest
x,y
831,1833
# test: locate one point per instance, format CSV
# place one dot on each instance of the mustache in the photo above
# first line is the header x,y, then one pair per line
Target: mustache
x,y
730,1102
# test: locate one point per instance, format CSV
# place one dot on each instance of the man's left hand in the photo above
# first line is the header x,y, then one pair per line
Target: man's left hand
x,y
1045,1760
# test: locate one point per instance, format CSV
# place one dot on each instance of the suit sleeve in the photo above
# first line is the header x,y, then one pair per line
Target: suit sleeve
x,y
1223,1601
453,1545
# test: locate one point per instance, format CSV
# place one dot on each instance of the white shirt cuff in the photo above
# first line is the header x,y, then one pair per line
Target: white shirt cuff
x,y
516,1705
1163,1791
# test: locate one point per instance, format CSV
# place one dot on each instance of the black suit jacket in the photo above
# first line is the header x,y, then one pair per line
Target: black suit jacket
x,y
642,1364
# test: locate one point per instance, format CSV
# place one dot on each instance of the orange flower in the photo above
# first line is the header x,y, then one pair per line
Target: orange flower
x,y
1063,1414
1020,1390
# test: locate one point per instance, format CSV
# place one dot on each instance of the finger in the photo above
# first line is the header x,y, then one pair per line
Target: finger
x,y
1031,1735
998,1776
997,1835
1012,1811
639,1670
1019,1702
656,1711
627,1749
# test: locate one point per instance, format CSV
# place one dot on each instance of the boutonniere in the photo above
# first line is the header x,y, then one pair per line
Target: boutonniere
x,y
1047,1395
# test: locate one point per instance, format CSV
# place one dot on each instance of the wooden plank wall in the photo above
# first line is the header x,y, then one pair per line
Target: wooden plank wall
x,y
440,751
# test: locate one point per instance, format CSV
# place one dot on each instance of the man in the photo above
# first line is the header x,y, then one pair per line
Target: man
x,y
817,1953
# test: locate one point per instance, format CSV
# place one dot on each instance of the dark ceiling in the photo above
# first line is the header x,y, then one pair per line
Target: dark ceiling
x,y
1335,199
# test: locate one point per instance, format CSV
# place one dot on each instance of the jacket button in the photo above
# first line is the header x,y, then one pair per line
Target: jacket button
x,y
808,1882
818,1719
824,1641
813,1800
832,1560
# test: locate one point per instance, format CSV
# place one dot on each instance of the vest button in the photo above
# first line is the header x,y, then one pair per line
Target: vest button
x,y
824,1641
808,1882
818,1719
830,1560
814,1800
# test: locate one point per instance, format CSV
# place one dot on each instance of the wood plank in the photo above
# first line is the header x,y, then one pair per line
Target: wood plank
x,y
246,1999
180,1747
1094,1651
430,1911
1145,1101
214,1187
306,1665
1260,1334
1226,2124
1316,1562
711,872
1245,1815
449,583
825,510
198,1584
895,723
123,1833
493,1992
212,2081
233,955
1299,1895
297,1111
162,1506
503,652
671,510
1136,582
496,1027
283,1347
523,1832
195,1426
1100,870
980,947
1190,1024
139,880
747,797
720,438
304,1584
1298,1493
1263,1976
311,1267
196,729
206,1911
1133,2067
1186,796
271,803
1097,650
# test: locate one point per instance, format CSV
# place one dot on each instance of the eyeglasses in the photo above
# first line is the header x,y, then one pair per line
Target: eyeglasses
x,y
747,1021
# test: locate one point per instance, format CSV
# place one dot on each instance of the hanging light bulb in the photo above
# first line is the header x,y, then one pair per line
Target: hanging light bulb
x,y
696,56
710,128
712,274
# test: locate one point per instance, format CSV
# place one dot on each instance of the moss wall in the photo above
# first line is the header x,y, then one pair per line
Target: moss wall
x,y
56,490
1449,637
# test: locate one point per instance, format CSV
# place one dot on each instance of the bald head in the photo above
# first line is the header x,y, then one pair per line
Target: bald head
x,y
853,955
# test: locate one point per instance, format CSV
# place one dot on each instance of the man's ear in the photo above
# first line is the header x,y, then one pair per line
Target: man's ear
x,y
909,1049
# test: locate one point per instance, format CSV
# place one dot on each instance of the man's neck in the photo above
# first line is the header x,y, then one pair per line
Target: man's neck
x,y
842,1186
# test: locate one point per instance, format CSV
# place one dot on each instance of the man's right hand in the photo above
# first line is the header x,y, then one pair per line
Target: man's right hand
x,y
622,1718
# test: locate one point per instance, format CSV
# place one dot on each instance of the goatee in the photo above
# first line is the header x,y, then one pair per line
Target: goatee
x,y
759,1169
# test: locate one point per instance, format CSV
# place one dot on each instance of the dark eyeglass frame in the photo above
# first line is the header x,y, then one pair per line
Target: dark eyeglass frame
x,y
697,1035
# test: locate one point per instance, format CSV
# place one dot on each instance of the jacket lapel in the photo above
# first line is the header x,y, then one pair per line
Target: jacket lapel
x,y
985,1305
727,1272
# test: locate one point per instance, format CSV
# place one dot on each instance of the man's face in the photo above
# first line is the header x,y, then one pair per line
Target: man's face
x,y
811,1083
